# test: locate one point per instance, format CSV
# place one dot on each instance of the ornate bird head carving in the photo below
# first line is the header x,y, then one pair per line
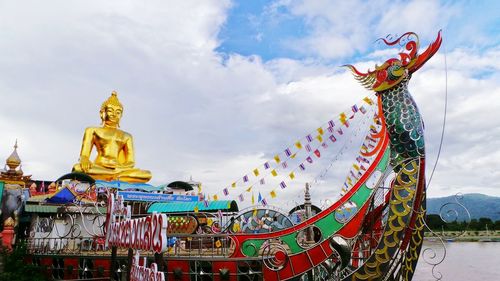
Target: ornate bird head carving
x,y
394,70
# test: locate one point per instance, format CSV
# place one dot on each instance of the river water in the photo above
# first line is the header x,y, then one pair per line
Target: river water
x,y
468,261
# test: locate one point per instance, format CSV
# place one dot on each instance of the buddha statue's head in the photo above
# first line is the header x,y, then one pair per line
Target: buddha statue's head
x,y
111,111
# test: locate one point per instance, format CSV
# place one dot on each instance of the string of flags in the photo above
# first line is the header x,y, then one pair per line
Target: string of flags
x,y
311,143
358,168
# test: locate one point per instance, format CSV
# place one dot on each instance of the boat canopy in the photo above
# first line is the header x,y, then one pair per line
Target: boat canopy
x,y
179,207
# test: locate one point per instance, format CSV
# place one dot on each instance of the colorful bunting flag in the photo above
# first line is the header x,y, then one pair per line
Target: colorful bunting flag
x,y
226,191
253,198
309,159
324,145
277,159
288,152
302,167
298,145
245,178
320,138
282,184
256,172
332,138
340,131
284,165
342,117
317,153
309,138
362,109
196,209
241,197
354,108
216,197
233,185
264,202
346,124
259,198
331,124
274,173
356,167
368,100
308,148
320,130
249,189
273,194
291,175
266,165
205,202
262,181
330,129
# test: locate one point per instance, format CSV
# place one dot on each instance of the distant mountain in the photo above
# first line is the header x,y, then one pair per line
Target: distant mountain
x,y
478,205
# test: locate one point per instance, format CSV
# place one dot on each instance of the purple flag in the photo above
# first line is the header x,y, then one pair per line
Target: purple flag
x,y
302,167
282,184
308,148
266,165
288,152
332,138
309,138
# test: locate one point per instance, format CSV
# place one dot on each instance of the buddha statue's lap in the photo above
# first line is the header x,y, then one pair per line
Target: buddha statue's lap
x,y
114,147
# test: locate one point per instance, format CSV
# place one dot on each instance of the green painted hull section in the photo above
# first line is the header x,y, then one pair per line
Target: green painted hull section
x,y
328,225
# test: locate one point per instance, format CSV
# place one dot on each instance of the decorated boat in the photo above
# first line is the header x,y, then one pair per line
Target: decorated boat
x,y
374,231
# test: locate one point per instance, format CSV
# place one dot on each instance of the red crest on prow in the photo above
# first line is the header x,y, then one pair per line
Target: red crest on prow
x,y
394,70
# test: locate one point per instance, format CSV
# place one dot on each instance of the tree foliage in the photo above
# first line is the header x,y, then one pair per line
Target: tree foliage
x,y
15,267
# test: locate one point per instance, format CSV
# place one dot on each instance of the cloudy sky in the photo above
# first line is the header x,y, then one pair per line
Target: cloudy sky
x,y
213,89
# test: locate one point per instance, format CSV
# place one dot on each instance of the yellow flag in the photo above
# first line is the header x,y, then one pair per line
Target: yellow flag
x,y
250,188
298,145
292,175
254,212
293,155
233,185
253,198
355,167
256,172
320,138
216,197
273,194
320,131
196,209
368,100
343,117
277,158
274,173
199,187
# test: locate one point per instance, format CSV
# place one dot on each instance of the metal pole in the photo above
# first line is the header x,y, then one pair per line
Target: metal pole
x,y
130,258
113,263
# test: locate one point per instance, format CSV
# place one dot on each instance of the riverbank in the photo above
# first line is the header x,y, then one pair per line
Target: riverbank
x,y
467,236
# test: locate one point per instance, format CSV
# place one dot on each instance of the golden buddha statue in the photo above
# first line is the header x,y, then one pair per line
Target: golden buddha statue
x,y
114,147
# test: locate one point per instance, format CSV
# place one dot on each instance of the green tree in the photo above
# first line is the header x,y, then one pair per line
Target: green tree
x,y
15,267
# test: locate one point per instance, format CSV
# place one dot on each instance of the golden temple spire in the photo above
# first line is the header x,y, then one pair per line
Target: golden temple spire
x,y
14,161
